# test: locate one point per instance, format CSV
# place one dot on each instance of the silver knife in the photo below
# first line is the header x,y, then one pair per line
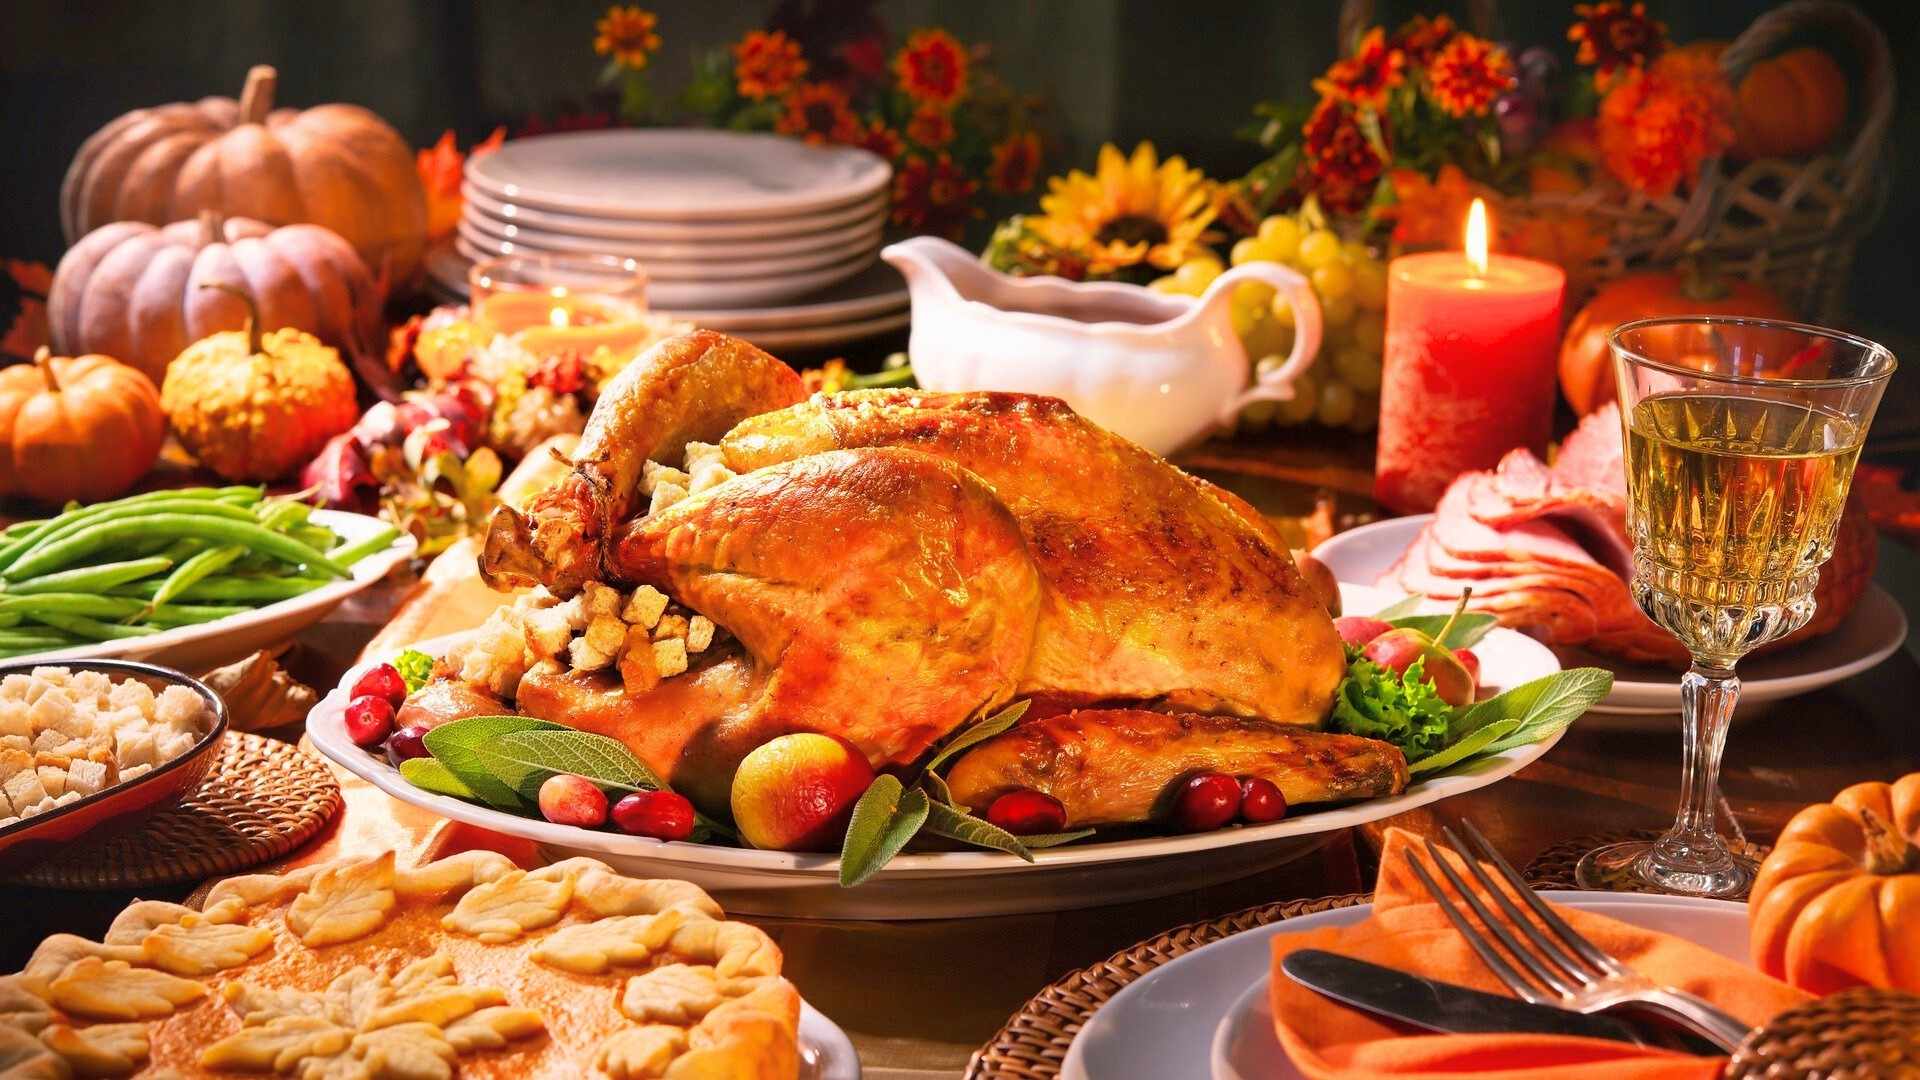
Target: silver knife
x,y
1439,1006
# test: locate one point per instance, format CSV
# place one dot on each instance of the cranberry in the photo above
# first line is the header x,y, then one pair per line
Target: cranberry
x,y
369,720
1207,802
571,799
662,815
383,682
407,743
1260,800
1027,813
1469,661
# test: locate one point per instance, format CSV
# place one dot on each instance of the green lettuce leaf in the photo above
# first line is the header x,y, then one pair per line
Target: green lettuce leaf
x,y
415,667
1401,709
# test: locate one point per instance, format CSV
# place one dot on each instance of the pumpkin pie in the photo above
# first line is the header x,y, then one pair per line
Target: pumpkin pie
x,y
359,969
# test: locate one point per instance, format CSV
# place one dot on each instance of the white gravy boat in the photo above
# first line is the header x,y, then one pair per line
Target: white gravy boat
x,y
1160,370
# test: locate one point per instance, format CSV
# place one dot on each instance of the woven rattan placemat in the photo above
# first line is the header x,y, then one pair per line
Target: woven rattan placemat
x,y
261,799
1553,868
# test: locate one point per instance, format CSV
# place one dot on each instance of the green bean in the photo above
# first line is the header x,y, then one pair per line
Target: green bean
x,y
8,619
206,507
281,513
207,562
97,578
14,548
26,645
91,605
232,588
106,534
318,537
171,615
92,629
352,553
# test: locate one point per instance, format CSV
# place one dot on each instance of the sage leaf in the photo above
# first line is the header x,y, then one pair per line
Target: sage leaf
x,y
428,774
458,746
1544,706
1400,608
1466,632
1054,839
884,819
943,820
938,791
526,758
979,733
1470,746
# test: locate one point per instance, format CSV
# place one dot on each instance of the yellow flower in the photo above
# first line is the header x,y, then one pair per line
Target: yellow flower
x,y
1131,211
626,34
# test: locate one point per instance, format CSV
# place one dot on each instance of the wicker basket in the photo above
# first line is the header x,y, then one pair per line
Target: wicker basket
x,y
1790,224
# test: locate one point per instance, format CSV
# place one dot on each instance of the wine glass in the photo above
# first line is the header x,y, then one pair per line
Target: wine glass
x,y
1741,437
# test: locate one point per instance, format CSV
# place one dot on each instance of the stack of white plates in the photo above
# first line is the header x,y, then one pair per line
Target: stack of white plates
x,y
755,234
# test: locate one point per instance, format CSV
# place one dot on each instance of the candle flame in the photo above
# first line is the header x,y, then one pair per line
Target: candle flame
x,y
1477,236
558,316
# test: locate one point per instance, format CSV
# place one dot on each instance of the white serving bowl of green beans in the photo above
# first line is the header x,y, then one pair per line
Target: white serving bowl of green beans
x,y
192,578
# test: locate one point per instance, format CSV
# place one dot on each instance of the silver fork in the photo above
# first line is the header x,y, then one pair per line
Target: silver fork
x,y
1562,968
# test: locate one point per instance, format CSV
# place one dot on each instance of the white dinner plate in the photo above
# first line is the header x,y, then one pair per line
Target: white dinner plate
x,y
674,296
222,641
511,240
669,174
685,233
963,883
1645,697
804,236
824,337
825,1051
1201,1012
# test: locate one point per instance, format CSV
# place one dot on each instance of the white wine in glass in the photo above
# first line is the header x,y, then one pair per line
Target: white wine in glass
x,y
1741,438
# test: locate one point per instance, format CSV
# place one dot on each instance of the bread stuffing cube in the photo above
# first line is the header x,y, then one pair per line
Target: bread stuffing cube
x,y
87,777
16,742
709,475
171,744
670,657
54,779
131,694
69,797
24,790
699,633
135,746
670,626
653,475
644,607
50,741
606,634
699,453
23,688
638,672
584,657
13,761
90,686
666,495
548,632
53,711
180,709
598,599
132,771
13,718
9,819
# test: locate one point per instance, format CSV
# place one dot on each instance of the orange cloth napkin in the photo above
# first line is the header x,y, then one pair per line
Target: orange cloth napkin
x,y
1408,931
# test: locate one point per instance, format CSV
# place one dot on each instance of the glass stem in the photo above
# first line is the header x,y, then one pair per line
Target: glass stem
x,y
1693,846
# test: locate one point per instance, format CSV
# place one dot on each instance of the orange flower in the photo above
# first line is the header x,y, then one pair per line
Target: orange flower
x,y
1016,164
932,68
818,112
1468,74
931,127
1422,38
1613,36
880,139
1368,76
766,63
626,34
1427,213
1657,124
1343,165
934,197
440,168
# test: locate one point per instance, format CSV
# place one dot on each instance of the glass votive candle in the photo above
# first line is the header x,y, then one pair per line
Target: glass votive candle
x,y
552,303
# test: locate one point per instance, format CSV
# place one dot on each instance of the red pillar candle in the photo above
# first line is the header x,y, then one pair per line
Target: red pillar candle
x,y
1468,371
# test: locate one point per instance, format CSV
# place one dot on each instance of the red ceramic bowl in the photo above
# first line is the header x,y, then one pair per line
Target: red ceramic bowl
x,y
125,804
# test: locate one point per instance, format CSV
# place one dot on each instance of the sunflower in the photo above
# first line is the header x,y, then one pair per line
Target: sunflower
x,y
1613,36
766,64
932,68
1016,162
818,112
1131,211
934,196
626,34
1368,76
931,127
1468,75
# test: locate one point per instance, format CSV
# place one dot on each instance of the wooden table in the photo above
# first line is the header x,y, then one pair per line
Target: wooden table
x,y
919,997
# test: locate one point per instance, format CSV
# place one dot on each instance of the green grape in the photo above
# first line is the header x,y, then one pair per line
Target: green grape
x,y
1355,253
1369,332
1306,396
1282,312
1358,368
1366,413
1281,235
1171,285
1197,274
1332,280
1269,365
1370,285
1258,415
1318,248
1248,250
1336,405
1336,311
1267,336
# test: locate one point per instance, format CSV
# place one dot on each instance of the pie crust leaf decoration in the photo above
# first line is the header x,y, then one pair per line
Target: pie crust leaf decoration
x,y
99,1050
344,902
592,948
403,1052
641,1052
493,1027
352,998
22,1009
732,948
280,1045
116,990
500,910
195,946
672,994
439,1006
24,1057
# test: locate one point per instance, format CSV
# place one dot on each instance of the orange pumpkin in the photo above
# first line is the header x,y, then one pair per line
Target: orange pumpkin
x,y
81,428
1837,902
1586,366
1790,105
339,166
